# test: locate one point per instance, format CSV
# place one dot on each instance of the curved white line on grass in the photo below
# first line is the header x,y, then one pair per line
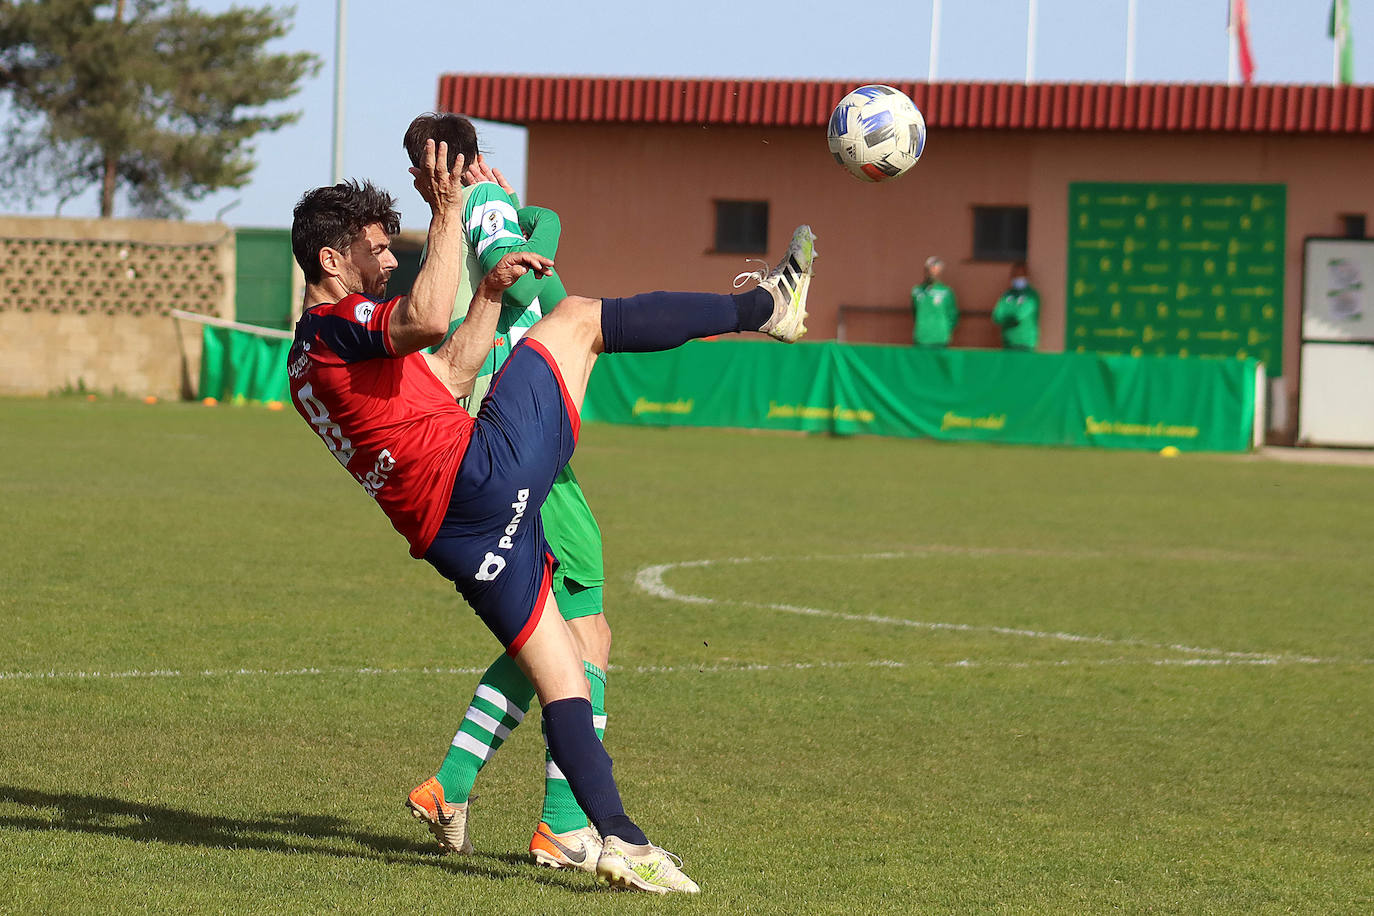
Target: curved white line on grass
x,y
650,580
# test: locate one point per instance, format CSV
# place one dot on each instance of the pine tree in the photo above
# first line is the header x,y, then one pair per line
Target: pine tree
x,y
150,96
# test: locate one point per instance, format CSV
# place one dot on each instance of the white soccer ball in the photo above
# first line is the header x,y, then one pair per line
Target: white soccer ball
x,y
877,133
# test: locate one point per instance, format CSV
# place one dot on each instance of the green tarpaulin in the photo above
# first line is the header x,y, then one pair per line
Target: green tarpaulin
x,y
238,366
984,395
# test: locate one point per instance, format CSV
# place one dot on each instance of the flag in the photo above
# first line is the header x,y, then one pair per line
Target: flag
x,y
1339,30
1238,21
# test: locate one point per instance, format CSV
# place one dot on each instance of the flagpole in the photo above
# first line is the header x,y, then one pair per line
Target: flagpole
x,y
340,49
1335,45
1030,40
1130,40
934,41
1232,64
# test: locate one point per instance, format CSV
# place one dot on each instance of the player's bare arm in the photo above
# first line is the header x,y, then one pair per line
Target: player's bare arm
x,y
420,320
459,360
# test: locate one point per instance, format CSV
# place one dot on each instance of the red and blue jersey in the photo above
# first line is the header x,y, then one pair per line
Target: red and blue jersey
x,y
388,419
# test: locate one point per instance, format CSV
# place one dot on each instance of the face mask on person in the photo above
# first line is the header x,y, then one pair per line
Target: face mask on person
x,y
1019,283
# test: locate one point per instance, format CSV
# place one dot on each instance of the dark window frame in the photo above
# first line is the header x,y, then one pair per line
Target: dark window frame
x,y
997,230
740,226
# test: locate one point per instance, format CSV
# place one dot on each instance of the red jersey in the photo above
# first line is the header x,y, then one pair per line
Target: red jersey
x,y
389,420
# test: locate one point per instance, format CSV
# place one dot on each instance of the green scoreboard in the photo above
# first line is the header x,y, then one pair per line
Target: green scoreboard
x,y
1191,270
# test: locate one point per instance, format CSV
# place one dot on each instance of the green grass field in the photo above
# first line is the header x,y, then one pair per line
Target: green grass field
x,y
851,676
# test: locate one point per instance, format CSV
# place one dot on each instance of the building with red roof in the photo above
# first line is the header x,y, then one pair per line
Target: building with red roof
x,y
670,183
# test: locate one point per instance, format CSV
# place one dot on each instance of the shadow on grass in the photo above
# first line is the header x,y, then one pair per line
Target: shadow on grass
x,y
289,832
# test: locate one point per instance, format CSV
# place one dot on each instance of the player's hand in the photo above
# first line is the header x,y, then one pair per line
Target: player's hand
x,y
437,183
480,171
501,180
512,267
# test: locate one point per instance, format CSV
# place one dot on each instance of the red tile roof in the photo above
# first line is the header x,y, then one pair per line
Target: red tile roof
x,y
988,106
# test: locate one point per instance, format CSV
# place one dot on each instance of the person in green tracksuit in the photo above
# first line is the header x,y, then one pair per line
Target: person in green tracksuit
x,y
935,306
496,225
1017,312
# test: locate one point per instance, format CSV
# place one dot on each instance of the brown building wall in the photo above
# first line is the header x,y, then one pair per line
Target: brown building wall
x,y
637,208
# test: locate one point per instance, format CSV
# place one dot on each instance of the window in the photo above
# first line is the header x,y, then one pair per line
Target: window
x,y
999,233
1353,225
742,226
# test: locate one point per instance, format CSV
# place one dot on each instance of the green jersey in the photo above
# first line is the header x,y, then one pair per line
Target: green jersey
x,y
1018,314
937,311
494,226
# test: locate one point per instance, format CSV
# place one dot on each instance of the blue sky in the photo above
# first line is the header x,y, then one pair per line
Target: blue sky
x,y
398,49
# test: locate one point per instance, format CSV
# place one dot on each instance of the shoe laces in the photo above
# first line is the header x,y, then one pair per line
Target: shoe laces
x,y
671,857
748,275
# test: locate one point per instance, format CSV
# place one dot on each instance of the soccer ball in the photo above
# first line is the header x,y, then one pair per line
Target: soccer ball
x,y
876,133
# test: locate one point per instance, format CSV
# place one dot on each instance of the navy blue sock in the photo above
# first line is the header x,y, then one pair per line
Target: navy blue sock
x,y
662,321
574,747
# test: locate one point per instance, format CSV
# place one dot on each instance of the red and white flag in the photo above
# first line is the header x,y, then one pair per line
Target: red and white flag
x,y
1238,24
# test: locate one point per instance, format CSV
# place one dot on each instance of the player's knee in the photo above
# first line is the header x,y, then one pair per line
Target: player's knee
x,y
578,317
603,635
594,635
580,309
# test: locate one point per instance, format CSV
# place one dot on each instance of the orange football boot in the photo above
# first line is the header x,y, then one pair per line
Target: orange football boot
x,y
448,823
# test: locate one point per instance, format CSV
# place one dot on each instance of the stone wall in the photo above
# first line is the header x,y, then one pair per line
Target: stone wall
x,y
88,302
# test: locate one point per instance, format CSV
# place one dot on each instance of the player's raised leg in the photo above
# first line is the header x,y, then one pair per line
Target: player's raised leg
x,y
579,329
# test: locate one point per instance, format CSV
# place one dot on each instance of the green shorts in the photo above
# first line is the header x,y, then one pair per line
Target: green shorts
x,y
575,600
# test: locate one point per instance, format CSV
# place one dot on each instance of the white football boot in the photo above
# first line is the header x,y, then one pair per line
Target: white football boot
x,y
642,868
788,282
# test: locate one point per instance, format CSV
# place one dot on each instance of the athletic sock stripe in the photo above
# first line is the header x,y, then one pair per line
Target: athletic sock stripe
x,y
497,713
486,722
599,723
474,746
498,699
551,771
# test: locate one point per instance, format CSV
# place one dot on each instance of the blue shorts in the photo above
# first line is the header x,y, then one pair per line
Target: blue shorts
x,y
491,543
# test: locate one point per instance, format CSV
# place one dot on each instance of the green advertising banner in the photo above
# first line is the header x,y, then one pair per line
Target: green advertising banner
x,y
1189,270
984,395
238,366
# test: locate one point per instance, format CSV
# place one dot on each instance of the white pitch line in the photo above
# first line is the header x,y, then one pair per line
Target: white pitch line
x,y
742,668
160,673
650,580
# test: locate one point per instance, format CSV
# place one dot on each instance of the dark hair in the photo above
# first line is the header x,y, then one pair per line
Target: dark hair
x,y
332,217
453,129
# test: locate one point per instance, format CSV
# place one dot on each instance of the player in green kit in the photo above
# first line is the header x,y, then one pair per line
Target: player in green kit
x,y
496,225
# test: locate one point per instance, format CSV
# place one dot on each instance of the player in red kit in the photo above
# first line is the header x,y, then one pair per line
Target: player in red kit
x,y
466,491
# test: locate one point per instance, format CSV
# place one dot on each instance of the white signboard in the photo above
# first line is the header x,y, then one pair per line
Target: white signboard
x,y
1336,404
1338,289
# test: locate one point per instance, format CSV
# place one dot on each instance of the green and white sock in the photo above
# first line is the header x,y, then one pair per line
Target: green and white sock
x,y
561,811
499,704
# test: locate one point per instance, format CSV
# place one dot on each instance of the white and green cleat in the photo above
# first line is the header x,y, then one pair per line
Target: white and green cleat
x,y
788,282
642,868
